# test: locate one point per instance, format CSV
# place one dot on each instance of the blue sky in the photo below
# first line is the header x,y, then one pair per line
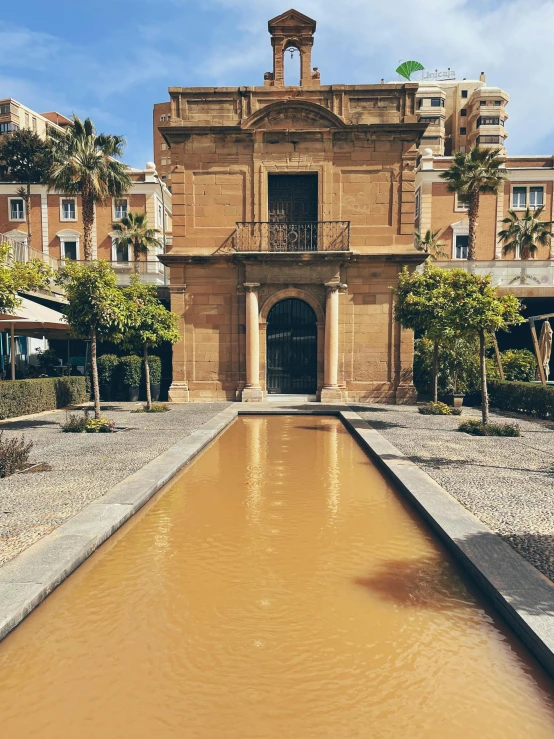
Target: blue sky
x,y
113,59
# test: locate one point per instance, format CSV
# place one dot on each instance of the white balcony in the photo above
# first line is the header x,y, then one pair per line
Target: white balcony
x,y
523,276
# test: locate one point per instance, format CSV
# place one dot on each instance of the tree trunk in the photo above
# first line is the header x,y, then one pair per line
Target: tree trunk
x,y
473,214
28,213
95,384
435,371
88,224
484,392
147,380
136,255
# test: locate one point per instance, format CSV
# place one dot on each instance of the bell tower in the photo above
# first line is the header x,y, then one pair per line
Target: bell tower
x,y
292,30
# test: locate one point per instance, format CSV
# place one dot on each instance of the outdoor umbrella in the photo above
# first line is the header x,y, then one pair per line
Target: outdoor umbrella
x,y
32,319
545,346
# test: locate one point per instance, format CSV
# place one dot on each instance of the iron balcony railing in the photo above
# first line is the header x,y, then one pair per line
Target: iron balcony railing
x,y
293,237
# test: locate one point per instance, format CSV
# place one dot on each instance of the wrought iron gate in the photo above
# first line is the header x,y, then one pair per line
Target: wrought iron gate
x,y
291,348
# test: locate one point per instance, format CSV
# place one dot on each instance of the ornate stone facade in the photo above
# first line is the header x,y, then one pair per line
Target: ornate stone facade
x,y
333,236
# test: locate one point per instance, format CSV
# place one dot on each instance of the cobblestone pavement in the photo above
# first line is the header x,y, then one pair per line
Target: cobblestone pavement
x,y
508,483
84,466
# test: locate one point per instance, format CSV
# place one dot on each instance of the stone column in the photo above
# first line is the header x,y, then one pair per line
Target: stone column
x,y
179,390
331,393
253,391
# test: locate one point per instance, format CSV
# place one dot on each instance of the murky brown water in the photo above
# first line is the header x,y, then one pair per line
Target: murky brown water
x,y
280,588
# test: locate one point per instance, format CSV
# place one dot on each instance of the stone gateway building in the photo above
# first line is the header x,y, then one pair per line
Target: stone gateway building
x,y
293,212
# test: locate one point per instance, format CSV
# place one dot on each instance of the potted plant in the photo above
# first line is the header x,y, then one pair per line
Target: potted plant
x,y
107,365
130,368
155,364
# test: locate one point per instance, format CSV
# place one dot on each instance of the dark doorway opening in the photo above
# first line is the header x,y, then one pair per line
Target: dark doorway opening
x,y
293,212
291,348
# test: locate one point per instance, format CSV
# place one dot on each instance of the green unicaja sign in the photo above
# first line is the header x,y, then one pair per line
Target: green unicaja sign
x,y
406,68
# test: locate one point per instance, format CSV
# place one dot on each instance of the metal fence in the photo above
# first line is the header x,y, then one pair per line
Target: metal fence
x,y
293,237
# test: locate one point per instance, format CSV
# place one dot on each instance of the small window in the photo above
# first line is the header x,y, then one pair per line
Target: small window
x,y
536,197
17,209
461,202
498,102
417,203
482,102
437,102
163,146
519,197
490,140
462,131
26,120
68,209
162,118
34,124
461,245
69,250
160,214
122,253
120,209
463,112
464,93
431,120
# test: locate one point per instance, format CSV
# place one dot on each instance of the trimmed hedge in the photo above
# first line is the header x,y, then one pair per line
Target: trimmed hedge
x,y
130,369
22,397
155,365
522,397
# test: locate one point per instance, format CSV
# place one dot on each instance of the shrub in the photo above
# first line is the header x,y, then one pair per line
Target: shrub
x,y
131,370
519,365
21,397
438,409
523,397
14,454
107,365
155,365
156,408
48,361
478,428
84,425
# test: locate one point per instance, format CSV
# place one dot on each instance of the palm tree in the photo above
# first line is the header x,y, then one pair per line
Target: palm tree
x,y
524,235
84,163
133,231
430,244
472,174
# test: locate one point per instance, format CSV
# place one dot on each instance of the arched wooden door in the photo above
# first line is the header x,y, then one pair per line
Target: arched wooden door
x,y
291,348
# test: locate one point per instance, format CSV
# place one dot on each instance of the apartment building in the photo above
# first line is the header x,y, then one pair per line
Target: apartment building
x,y
15,116
461,114
57,226
530,183
162,153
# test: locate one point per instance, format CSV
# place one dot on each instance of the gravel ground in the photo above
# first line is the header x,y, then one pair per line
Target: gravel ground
x,y
84,466
508,483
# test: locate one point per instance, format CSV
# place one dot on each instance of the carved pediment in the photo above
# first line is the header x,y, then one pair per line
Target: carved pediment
x,y
291,18
293,115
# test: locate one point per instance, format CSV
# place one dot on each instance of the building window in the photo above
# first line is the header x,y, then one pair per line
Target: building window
x,y
464,93
163,146
162,118
519,197
462,131
490,140
17,209
461,204
437,102
26,120
498,102
482,102
68,209
432,120
463,112
417,203
119,209
487,120
159,216
4,109
8,127
34,124
536,197
460,246
70,249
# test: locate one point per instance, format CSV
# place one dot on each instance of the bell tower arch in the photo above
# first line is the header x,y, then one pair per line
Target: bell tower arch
x,y
292,29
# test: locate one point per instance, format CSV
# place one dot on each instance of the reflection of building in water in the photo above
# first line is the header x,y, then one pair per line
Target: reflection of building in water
x,y
332,484
256,433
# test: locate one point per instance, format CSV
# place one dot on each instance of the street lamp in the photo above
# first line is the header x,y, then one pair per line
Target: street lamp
x,y
151,169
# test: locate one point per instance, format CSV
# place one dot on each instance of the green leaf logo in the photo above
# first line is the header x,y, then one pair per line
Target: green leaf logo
x,y
406,69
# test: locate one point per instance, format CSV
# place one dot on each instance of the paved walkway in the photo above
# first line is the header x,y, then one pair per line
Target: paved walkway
x,y
84,466
507,483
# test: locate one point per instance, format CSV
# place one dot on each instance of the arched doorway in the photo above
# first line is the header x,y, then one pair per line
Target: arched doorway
x,y
291,347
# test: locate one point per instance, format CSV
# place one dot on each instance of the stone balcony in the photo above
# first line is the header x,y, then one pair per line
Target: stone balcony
x,y
307,236
522,277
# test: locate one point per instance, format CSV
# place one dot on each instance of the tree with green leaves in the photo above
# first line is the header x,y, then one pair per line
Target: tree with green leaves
x,y
430,244
421,301
150,324
26,159
18,277
86,163
475,309
472,174
133,231
96,309
523,235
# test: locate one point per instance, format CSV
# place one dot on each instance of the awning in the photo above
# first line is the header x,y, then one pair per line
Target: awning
x,y
30,319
